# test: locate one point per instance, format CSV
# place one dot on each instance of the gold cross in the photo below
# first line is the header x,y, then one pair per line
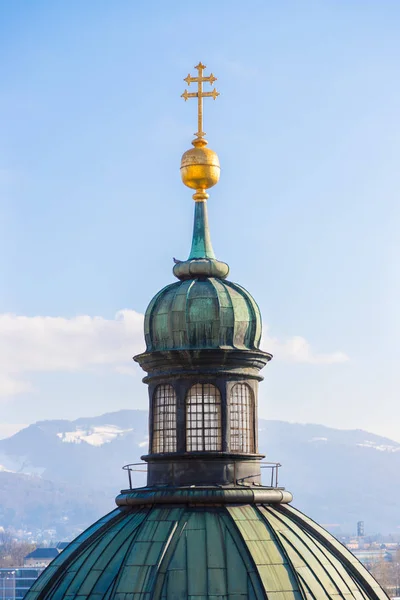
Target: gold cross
x,y
200,94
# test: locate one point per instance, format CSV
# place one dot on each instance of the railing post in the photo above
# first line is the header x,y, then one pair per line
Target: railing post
x,y
130,478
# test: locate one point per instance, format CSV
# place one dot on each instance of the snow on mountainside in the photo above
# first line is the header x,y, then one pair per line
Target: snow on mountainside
x,y
4,470
380,447
366,444
95,436
336,476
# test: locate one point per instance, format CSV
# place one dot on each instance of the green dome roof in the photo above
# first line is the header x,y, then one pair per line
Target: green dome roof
x,y
202,313
226,552
202,310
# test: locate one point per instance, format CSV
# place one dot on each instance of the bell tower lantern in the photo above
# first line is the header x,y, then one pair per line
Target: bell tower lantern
x,y
202,354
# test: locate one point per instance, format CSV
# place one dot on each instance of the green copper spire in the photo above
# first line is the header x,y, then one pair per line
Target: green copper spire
x,y
201,261
201,242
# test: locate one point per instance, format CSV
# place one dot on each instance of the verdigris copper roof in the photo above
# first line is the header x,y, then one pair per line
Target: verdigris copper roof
x,y
202,310
224,552
202,313
232,539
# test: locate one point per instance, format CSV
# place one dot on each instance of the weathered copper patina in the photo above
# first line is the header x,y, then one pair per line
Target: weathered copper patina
x,y
205,526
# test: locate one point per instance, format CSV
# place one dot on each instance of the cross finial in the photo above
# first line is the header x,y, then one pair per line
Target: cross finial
x,y
200,95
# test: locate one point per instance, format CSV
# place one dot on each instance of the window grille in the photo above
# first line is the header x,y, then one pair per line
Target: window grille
x,y
203,418
164,419
241,419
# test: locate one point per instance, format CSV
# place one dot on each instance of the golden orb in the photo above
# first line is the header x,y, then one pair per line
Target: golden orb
x,y
200,168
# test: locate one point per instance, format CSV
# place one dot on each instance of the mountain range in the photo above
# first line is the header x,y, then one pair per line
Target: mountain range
x,y
62,475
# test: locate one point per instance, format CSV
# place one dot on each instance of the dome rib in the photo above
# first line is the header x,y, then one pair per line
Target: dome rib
x,y
149,315
240,327
300,563
168,556
178,325
100,564
284,552
255,328
159,324
110,579
44,586
272,566
202,314
247,557
330,544
226,313
140,570
326,562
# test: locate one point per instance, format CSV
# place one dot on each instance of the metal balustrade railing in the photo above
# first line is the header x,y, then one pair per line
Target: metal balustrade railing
x,y
129,468
274,471
272,466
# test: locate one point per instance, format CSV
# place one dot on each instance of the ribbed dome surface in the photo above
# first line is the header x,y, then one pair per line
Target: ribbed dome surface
x,y
202,313
230,552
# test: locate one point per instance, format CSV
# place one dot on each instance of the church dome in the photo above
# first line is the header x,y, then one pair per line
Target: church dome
x,y
205,526
227,551
202,313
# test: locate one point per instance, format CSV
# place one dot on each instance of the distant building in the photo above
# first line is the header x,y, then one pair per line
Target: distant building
x,y
15,583
371,557
360,529
352,545
41,557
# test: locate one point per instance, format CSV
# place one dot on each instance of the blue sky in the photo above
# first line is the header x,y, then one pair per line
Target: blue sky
x,y
306,212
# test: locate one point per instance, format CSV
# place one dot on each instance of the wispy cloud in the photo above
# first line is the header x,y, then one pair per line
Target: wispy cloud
x,y
85,343
298,349
82,343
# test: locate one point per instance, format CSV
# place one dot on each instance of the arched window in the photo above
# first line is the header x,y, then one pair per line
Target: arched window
x,y
203,418
164,419
241,418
